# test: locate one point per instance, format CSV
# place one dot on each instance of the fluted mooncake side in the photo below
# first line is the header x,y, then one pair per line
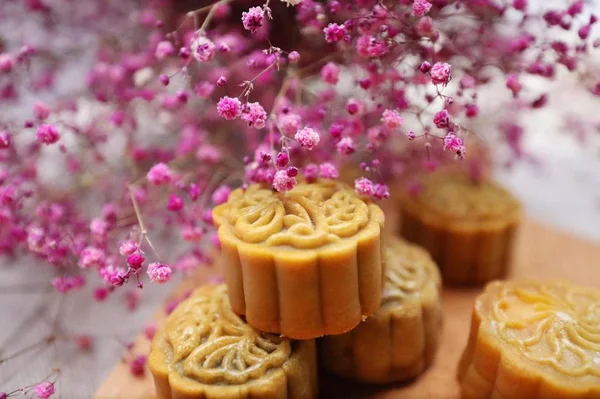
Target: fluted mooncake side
x,y
400,340
206,351
304,263
534,340
468,227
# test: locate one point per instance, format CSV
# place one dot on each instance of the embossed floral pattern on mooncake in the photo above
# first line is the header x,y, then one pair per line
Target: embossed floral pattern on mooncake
x,y
204,346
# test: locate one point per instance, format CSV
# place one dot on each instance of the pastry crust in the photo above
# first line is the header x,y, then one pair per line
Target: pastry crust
x,y
534,340
468,227
400,340
305,263
206,351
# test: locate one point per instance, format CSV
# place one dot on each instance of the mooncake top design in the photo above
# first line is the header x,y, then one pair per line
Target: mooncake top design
x,y
555,324
455,195
310,216
210,344
409,271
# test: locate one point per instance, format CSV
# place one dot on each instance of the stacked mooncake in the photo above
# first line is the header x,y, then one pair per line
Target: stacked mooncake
x,y
299,266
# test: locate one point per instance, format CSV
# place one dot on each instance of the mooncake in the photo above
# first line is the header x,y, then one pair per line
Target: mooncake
x,y
400,340
533,340
468,226
206,351
304,263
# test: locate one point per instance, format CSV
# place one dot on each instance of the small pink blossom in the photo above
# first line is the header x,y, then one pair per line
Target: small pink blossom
x,y
209,153
311,172
454,144
411,135
346,146
135,260
440,73
364,186
137,365
205,89
164,49
44,390
127,248
229,107
334,32
290,123
255,115
370,47
442,119
513,84
99,227
5,140
328,171
222,81
282,159
192,233
47,134
294,57
150,331
307,138
283,182
253,19
159,272
7,62
41,110
92,257
330,73
159,174
391,119
471,110
174,203
420,7
380,191
221,195
203,49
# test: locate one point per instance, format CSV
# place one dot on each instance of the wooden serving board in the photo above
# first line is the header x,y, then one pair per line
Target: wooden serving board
x,y
541,252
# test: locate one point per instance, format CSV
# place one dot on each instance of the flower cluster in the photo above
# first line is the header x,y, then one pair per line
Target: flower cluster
x,y
173,114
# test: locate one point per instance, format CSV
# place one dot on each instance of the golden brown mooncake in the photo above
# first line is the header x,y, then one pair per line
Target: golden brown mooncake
x,y
205,351
468,227
304,263
533,340
400,340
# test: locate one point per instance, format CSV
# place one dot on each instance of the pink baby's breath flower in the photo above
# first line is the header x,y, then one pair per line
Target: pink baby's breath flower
x,y
283,182
7,62
209,153
192,233
420,7
41,110
135,260
98,227
136,367
354,106
150,331
159,272
364,186
307,138
222,81
441,119
229,108
5,140
253,19
454,144
294,57
159,174
290,123
127,248
174,203
334,32
255,115
47,134
440,73
471,110
513,84
328,171
380,191
221,195
311,172
92,257
391,119
44,390
203,49
411,135
346,146
164,49
330,73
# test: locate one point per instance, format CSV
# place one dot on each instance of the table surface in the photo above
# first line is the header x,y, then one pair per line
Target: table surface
x,y
541,252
